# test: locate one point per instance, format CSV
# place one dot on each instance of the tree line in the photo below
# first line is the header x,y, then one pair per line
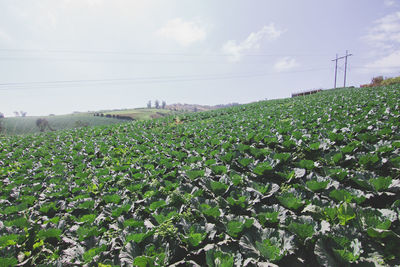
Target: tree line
x,y
157,104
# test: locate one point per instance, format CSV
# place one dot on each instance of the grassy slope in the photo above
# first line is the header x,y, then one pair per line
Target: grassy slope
x,y
310,160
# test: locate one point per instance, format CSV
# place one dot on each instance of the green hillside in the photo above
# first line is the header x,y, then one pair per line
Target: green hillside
x,y
306,181
27,125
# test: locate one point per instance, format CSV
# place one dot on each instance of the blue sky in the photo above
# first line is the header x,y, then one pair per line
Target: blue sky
x,y
79,55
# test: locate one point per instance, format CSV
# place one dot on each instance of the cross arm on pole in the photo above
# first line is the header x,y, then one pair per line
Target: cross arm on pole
x,y
341,57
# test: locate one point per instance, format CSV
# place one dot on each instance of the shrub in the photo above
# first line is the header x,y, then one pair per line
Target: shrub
x,y
377,81
391,81
380,81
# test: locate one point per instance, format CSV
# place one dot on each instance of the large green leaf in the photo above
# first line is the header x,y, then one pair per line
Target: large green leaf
x,y
10,261
210,211
269,251
91,253
347,196
9,240
269,244
245,161
235,227
219,169
138,237
381,183
193,174
157,204
303,231
345,213
315,185
263,168
218,187
217,258
112,198
291,201
307,164
49,233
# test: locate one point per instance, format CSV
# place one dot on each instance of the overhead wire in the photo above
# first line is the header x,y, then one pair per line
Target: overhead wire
x,y
187,58
144,53
136,61
141,80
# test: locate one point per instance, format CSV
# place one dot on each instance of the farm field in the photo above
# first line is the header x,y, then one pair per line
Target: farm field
x,y
27,125
142,113
305,181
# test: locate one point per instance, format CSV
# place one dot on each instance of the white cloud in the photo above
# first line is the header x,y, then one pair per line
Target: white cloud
x,y
386,32
389,3
386,64
285,64
236,50
183,32
384,36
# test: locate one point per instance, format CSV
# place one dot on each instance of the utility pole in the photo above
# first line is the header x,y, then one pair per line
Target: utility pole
x,y
336,59
345,66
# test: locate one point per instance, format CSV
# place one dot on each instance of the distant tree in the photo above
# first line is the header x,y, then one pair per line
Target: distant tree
x,y
163,104
1,123
16,113
377,81
23,113
149,104
157,104
42,124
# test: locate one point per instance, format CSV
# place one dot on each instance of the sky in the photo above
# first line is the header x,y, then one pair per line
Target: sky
x,y
58,57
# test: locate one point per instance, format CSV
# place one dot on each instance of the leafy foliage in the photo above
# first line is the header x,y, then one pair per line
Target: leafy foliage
x,y
235,227
219,259
310,180
49,233
291,201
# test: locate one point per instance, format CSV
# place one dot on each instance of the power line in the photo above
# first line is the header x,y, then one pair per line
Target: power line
x,y
377,67
134,57
143,53
138,61
138,80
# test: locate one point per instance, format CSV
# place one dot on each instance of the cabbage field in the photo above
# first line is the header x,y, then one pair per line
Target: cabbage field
x,y
306,181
